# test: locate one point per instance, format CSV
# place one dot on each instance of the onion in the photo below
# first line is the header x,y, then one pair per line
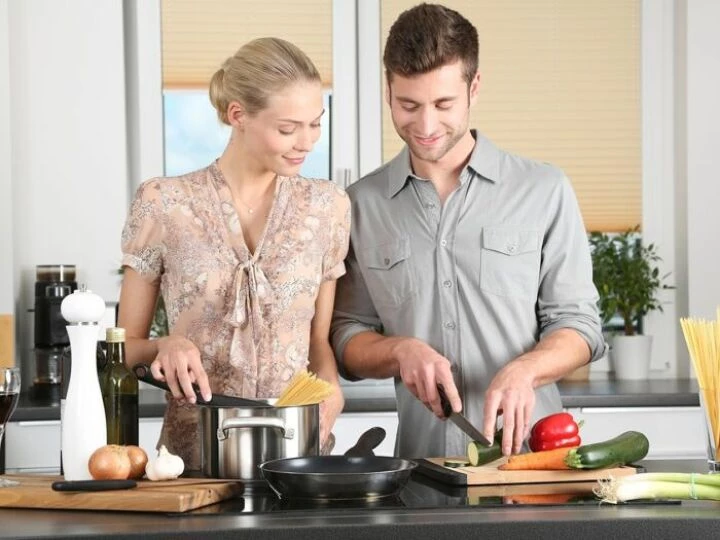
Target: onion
x,y
138,460
109,462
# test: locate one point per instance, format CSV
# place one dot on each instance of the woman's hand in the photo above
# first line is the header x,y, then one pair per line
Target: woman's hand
x,y
178,364
330,409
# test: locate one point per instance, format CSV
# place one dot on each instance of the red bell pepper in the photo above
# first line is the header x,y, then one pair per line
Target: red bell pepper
x,y
555,431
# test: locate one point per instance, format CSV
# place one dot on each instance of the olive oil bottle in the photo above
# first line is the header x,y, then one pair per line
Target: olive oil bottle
x,y
119,387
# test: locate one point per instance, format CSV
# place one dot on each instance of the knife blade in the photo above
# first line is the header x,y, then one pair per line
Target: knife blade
x,y
459,420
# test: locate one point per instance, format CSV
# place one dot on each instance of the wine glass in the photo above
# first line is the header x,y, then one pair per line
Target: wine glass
x,y
9,396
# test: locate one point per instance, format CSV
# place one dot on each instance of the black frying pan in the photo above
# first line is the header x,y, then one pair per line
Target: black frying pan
x,y
358,474
143,373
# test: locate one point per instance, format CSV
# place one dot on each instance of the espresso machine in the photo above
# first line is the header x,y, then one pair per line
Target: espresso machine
x,y
53,283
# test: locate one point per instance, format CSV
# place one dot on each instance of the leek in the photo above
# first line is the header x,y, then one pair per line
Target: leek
x,y
683,486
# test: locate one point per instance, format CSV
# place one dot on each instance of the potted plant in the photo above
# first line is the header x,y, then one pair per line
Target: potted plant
x,y
628,280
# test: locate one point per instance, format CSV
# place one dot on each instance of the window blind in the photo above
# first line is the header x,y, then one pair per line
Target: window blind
x,y
198,36
560,82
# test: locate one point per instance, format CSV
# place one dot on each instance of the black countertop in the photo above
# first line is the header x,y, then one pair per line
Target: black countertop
x,y
370,397
442,518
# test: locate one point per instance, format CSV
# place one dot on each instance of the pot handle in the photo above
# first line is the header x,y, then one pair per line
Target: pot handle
x,y
254,421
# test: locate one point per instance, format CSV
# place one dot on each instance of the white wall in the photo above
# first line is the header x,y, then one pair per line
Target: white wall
x,y
68,154
703,156
6,244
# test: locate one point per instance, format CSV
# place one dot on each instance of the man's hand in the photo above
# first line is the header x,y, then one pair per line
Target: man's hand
x,y
512,394
422,369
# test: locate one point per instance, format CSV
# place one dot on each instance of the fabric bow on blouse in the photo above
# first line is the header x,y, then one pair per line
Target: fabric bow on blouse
x,y
252,294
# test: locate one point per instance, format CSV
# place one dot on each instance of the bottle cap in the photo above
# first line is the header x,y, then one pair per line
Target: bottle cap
x,y
114,335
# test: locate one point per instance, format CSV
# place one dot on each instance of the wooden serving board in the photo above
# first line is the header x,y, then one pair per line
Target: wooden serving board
x,y
178,495
489,474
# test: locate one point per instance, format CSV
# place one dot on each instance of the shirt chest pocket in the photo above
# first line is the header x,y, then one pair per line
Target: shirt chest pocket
x,y
389,277
510,262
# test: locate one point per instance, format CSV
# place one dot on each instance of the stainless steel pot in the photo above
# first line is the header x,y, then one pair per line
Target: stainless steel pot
x,y
236,440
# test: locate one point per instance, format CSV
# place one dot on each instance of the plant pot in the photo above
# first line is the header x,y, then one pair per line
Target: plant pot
x,y
630,357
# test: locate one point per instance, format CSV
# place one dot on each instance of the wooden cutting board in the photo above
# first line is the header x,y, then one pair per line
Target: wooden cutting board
x,y
489,474
178,495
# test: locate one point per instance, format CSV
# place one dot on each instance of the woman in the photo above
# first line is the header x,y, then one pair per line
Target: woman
x,y
244,252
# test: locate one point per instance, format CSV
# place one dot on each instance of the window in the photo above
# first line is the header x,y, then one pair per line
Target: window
x,y
638,50
194,136
198,36
560,83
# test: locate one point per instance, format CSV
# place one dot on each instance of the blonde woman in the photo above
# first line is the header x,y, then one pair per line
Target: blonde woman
x,y
245,252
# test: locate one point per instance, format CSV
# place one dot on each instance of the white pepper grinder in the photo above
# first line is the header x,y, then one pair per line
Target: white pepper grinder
x,y
83,420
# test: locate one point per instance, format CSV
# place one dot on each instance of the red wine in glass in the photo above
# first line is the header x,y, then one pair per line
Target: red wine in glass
x,y
9,396
8,402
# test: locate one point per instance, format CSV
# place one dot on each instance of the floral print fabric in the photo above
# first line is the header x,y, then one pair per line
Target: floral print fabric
x,y
249,314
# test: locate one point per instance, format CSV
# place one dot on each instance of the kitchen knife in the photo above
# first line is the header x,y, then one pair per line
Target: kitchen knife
x,y
143,373
459,420
93,485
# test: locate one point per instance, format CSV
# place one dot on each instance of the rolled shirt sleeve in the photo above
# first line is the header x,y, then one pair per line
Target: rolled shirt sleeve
x,y
354,311
567,297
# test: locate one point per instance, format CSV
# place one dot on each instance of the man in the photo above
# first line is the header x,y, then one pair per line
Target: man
x,y
469,267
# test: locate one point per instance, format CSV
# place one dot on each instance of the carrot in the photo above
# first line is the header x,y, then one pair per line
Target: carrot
x,y
539,498
545,460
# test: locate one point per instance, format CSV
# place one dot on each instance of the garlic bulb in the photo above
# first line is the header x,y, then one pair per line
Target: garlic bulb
x,y
165,466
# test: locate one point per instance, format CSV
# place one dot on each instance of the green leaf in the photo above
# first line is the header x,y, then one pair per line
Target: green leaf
x,y
626,275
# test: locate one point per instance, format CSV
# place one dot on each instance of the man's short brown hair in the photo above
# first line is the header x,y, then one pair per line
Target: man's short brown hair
x,y
429,36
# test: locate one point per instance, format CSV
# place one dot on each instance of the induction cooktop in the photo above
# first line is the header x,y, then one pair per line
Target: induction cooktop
x,y
421,492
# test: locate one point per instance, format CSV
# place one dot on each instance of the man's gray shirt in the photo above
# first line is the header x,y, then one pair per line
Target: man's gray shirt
x,y
504,262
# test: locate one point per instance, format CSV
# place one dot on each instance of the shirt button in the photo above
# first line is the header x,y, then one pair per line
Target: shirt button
x,y
386,260
443,243
447,283
511,248
450,325
429,205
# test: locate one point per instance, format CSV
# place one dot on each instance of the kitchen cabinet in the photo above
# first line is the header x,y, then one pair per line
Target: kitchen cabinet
x,y
149,434
673,432
349,426
34,446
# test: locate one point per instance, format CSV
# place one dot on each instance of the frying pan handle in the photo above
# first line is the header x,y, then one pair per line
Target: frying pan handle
x,y
254,421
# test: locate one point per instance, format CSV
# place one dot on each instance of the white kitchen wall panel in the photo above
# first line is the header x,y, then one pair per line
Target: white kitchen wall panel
x,y
69,148
7,302
673,432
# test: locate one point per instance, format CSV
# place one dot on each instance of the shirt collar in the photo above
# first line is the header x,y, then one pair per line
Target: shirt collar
x,y
484,162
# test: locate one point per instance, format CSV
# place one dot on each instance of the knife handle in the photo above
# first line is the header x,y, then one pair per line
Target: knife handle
x,y
444,401
93,485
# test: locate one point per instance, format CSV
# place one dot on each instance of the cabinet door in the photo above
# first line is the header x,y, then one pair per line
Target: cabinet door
x,y
32,446
149,434
673,432
349,427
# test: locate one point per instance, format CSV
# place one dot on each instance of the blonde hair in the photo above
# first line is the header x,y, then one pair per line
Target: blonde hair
x,y
259,69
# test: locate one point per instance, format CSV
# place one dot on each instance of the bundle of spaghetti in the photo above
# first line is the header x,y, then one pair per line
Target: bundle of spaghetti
x,y
304,389
702,338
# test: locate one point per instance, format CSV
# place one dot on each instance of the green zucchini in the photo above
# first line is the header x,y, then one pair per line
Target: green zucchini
x,y
624,449
479,454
